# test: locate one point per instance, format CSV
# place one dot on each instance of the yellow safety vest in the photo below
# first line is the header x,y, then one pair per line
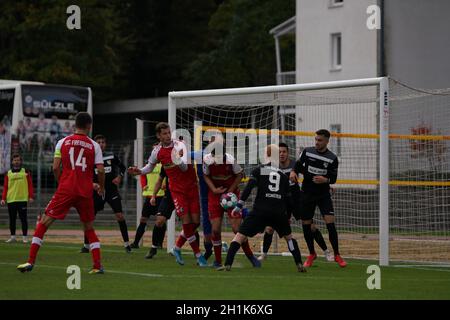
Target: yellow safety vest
x,y
151,180
17,186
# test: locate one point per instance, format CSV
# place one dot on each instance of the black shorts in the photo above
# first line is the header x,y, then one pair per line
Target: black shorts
x,y
309,202
166,206
112,198
149,210
293,206
256,222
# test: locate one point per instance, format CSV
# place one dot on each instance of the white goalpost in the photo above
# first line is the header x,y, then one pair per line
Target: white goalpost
x,y
392,195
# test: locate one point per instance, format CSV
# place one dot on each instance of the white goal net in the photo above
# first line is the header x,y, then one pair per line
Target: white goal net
x,y
390,204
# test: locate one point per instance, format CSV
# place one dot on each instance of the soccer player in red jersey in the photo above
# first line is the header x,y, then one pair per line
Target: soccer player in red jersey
x,y
183,186
223,174
78,154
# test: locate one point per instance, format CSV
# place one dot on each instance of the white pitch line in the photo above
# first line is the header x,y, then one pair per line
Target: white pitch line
x,y
234,275
430,269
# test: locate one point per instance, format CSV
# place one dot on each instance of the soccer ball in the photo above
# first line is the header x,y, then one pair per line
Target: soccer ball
x,y
228,200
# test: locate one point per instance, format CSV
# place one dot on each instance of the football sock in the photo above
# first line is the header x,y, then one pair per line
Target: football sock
x,y
294,250
194,227
246,248
267,242
156,235
333,236
162,234
208,248
123,230
36,242
319,239
190,235
140,232
94,245
181,240
232,250
309,238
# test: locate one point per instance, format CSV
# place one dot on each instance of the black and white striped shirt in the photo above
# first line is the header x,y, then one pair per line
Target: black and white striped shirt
x,y
314,163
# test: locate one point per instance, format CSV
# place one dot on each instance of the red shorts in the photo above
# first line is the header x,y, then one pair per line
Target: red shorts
x,y
215,210
187,202
60,204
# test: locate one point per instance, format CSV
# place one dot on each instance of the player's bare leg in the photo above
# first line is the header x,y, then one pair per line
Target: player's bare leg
x,y
267,242
235,223
309,238
295,251
44,223
333,236
216,238
123,230
235,244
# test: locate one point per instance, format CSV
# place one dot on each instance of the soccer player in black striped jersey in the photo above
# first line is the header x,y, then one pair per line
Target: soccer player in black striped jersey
x,y
269,208
286,166
319,167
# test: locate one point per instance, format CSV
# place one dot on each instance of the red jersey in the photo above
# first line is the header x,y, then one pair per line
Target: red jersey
x,y
79,154
180,181
224,174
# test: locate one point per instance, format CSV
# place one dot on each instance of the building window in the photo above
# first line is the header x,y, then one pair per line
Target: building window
x,y
336,51
336,141
336,3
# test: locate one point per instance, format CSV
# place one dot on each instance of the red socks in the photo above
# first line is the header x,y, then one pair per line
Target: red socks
x,y
36,242
246,248
189,234
94,245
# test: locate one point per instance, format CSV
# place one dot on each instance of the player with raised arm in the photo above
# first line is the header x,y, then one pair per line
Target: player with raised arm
x,y
286,166
78,155
319,167
223,175
114,171
183,186
269,208
161,206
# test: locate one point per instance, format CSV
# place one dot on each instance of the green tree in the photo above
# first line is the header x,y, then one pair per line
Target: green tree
x,y
35,43
241,51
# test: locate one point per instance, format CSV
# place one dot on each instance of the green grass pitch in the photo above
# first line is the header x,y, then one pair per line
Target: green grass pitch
x,y
130,276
